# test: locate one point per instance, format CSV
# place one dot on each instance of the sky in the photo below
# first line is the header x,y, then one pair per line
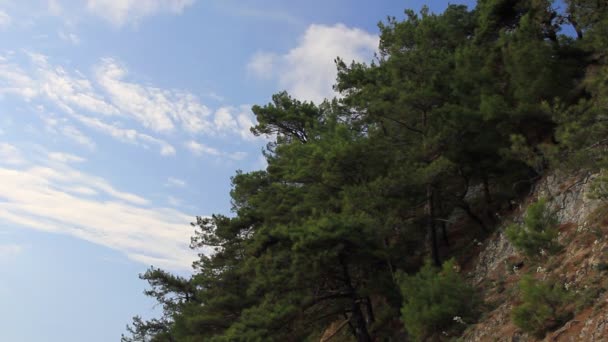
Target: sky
x,y
122,120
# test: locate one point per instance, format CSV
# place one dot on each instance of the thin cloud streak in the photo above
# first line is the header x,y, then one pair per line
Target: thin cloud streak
x,y
57,198
119,12
109,94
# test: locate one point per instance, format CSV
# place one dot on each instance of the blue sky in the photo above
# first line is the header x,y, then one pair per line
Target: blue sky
x,y
121,120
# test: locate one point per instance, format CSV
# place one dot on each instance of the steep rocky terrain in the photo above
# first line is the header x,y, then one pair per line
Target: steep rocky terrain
x,y
581,266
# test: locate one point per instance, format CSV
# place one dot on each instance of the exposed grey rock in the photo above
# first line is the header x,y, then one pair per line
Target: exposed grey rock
x,y
493,255
568,197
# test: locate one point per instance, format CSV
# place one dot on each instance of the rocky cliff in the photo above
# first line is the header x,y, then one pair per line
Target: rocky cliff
x,y
581,266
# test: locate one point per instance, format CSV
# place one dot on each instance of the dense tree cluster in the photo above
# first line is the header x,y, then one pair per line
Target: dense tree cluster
x,y
457,116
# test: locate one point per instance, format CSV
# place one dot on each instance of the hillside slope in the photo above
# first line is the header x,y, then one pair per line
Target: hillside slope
x,y
580,266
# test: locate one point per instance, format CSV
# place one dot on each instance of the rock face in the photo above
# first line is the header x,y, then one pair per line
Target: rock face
x,y
569,196
495,253
581,265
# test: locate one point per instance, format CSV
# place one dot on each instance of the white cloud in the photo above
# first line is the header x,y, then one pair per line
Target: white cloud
x,y
63,200
262,64
215,96
65,157
72,177
54,7
5,20
91,101
155,108
201,149
81,190
236,120
126,135
13,80
167,150
67,91
265,14
246,121
118,12
173,201
69,37
308,71
61,126
77,136
175,182
223,119
9,154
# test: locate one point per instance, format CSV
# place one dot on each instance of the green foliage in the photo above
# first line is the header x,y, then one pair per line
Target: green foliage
x,y
154,330
437,300
588,296
543,306
355,187
538,232
599,187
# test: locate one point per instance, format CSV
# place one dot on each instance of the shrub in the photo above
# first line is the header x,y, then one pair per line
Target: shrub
x,y
437,300
538,233
588,297
599,187
543,307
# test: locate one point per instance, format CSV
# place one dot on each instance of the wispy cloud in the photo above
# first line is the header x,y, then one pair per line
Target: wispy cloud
x,y
176,182
69,37
77,136
126,135
62,126
174,201
265,14
58,198
116,13
69,91
201,149
155,108
308,70
54,7
119,12
235,120
65,157
215,96
9,154
109,93
262,64
5,20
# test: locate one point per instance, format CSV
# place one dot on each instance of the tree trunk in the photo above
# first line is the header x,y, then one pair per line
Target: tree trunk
x,y
369,311
444,232
465,206
431,225
488,199
486,190
389,263
357,319
444,224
